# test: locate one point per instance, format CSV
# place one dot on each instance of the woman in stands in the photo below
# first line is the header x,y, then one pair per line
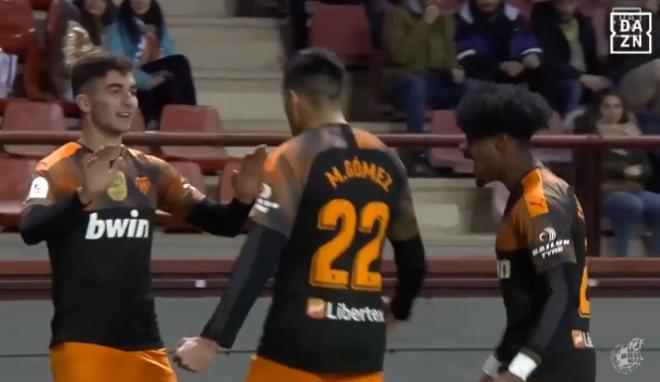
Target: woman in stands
x,y
163,76
80,30
626,201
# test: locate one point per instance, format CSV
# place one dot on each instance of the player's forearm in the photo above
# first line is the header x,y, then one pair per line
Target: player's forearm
x,y
254,266
411,268
40,222
528,358
553,310
220,219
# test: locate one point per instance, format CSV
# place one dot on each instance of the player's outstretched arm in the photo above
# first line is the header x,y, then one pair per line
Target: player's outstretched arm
x,y
179,198
255,264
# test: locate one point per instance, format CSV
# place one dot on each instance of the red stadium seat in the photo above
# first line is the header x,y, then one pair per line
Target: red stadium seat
x,y
193,174
18,34
444,122
41,5
14,189
343,29
194,119
38,84
225,185
32,117
138,126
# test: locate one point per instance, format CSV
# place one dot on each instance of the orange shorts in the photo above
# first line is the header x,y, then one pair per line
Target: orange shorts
x,y
82,362
265,370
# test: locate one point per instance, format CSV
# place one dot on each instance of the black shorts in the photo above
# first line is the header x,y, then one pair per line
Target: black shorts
x,y
574,365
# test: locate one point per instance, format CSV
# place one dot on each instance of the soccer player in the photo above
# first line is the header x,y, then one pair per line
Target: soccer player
x,y
541,244
93,202
333,194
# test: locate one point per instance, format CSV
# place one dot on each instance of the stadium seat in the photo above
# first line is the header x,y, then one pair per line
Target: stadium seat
x,y
444,122
138,126
41,5
27,116
350,39
225,185
14,189
194,119
193,174
18,34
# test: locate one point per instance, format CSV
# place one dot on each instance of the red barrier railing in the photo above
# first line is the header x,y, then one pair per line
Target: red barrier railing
x,y
592,144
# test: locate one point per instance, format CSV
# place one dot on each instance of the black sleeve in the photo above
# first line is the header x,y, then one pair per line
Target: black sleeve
x,y
254,266
220,219
553,309
41,222
410,268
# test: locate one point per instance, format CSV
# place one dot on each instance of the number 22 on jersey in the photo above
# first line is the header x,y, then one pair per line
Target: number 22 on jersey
x,y
322,273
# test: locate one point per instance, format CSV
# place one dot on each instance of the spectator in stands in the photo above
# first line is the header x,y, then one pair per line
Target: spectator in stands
x,y
626,202
495,44
570,58
163,76
81,32
298,17
421,68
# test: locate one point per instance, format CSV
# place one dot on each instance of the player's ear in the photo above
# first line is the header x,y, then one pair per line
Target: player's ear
x,y
501,142
83,103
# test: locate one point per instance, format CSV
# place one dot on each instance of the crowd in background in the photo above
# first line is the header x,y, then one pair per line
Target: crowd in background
x,y
431,59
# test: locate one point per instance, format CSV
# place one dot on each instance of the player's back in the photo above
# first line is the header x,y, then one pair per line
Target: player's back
x,y
327,313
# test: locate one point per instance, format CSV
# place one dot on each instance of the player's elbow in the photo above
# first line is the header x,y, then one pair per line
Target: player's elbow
x,y
29,231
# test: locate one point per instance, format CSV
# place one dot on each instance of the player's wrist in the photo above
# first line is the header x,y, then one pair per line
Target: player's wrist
x,y
522,366
491,366
210,344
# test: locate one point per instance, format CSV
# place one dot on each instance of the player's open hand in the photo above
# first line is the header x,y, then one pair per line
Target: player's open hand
x,y
249,179
101,168
195,354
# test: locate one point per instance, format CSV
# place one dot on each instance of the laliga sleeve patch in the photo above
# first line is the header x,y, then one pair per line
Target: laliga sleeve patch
x,y
39,188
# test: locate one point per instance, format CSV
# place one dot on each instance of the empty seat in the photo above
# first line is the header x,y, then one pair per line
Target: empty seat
x,y
35,117
138,126
349,38
193,175
18,34
14,189
194,119
40,5
444,122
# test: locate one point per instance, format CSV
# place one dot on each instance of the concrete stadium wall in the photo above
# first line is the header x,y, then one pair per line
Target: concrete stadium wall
x,y
447,341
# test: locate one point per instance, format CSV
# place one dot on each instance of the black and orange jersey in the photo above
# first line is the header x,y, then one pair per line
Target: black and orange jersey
x,y
101,259
336,194
542,231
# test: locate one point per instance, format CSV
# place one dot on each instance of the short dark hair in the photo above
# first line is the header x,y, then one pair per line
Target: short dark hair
x,y
95,66
318,73
502,109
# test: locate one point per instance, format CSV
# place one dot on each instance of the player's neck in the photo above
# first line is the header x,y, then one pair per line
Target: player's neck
x,y
514,173
94,138
327,118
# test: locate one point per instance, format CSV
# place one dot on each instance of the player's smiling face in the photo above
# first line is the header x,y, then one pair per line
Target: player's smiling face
x,y
113,102
487,156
